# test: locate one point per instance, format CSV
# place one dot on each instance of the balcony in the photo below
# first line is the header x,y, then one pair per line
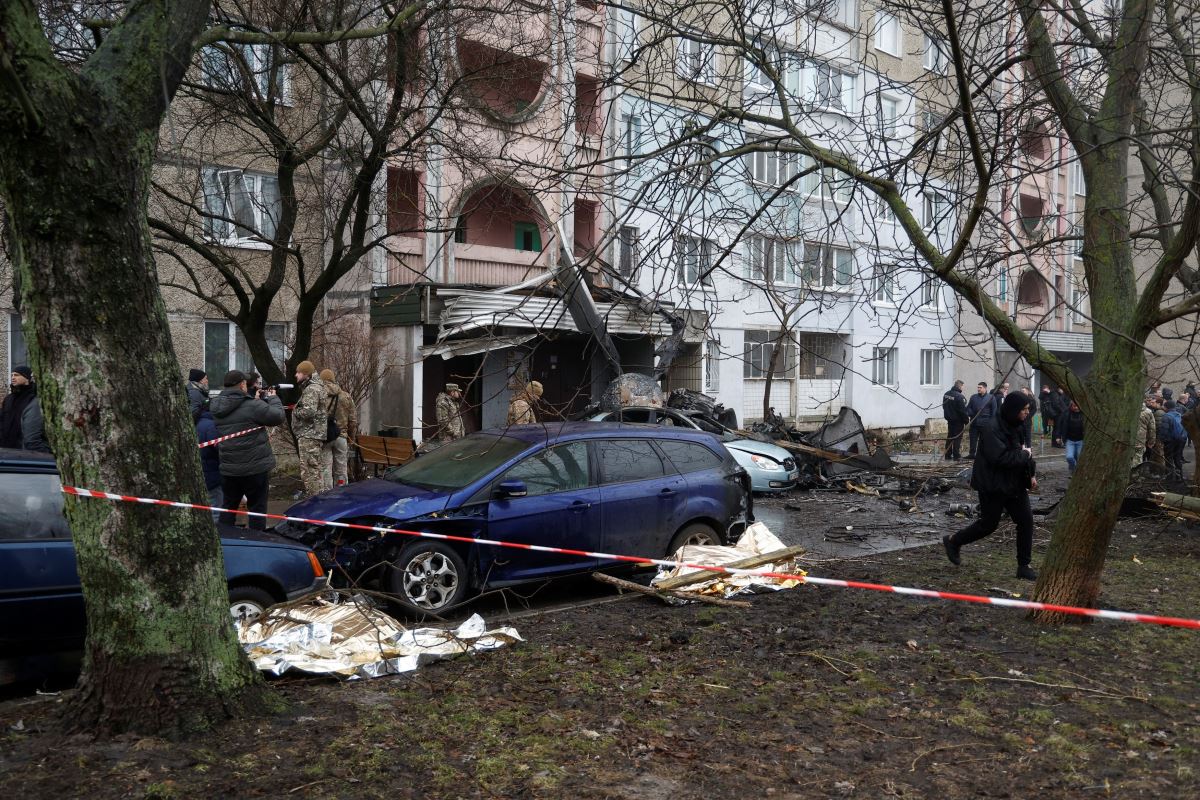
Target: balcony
x,y
487,265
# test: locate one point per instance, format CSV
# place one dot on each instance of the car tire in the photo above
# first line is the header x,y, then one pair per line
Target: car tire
x,y
428,578
696,533
247,603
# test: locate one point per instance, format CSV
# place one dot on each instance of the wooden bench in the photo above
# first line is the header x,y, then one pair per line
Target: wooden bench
x,y
384,451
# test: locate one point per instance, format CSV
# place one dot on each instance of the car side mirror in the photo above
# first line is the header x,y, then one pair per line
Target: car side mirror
x,y
508,489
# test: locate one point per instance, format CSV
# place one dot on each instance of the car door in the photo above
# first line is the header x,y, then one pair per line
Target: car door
x,y
561,509
643,498
41,604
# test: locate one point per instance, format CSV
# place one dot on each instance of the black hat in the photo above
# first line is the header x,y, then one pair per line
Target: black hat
x,y
24,370
1013,403
197,375
234,377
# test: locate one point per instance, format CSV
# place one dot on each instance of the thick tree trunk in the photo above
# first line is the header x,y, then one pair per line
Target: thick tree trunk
x,y
161,655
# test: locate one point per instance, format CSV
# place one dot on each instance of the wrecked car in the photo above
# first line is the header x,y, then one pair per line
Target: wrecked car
x,y
583,486
770,467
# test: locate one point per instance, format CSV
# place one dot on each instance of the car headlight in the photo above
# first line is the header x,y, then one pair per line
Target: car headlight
x,y
763,462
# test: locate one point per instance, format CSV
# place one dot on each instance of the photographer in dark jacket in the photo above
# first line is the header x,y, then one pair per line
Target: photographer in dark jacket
x,y
246,461
954,411
1003,474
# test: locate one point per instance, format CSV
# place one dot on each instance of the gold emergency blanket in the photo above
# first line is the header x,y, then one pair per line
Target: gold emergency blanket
x,y
757,540
354,640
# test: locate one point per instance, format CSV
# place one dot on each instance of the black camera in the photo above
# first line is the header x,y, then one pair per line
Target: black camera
x,y
275,387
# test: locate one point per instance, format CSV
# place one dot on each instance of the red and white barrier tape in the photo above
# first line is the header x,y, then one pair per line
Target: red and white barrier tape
x,y
226,438
1125,616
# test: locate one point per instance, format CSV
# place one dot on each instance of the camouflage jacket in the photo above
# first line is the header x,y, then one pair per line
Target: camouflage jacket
x,y
520,411
311,414
343,412
449,418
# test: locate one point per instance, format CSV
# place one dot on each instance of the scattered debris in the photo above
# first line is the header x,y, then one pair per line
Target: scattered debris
x,y
353,640
1179,506
757,548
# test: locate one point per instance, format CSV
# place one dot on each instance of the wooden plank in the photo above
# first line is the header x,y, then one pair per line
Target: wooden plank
x,y
746,563
646,590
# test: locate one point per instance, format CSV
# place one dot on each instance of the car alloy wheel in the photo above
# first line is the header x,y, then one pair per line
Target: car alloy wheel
x,y
247,603
430,577
695,534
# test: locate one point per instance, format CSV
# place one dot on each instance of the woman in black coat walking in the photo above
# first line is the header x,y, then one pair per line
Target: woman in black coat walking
x,y
1003,474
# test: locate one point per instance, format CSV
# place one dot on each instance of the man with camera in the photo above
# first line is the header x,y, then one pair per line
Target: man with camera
x,y
246,461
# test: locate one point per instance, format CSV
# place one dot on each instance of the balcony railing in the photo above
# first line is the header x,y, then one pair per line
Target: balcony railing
x,y
487,265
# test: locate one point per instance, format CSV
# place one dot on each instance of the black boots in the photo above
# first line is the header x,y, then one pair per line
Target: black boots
x,y
951,550
1026,573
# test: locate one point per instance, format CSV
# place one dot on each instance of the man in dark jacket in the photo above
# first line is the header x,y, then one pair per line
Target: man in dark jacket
x,y
21,392
980,409
1061,402
1046,404
197,391
246,461
1174,437
210,459
1003,474
954,411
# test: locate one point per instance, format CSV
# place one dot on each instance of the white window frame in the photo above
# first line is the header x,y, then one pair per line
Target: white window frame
x,y
835,187
629,143
888,124
883,285
834,88
768,260
931,367
934,57
931,293
699,154
884,213
821,267
774,169
1077,183
625,34
694,253
841,12
889,36
238,358
695,61
230,226
220,70
935,211
1078,309
756,355
712,366
883,366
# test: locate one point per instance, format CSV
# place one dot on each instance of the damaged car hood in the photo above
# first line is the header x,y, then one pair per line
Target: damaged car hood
x,y
375,498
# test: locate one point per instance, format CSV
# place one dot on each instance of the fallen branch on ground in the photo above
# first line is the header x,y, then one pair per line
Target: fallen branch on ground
x,y
663,594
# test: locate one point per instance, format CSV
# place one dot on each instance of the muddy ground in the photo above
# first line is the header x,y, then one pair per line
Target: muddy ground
x,y
811,693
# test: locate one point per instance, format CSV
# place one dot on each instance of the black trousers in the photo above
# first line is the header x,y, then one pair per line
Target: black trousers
x,y
1174,454
991,507
976,430
954,432
252,487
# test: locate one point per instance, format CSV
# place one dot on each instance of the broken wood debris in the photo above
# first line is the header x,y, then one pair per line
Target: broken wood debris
x,y
662,594
1179,506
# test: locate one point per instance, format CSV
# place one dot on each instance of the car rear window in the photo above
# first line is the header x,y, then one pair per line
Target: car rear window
x,y
690,456
459,463
31,507
624,460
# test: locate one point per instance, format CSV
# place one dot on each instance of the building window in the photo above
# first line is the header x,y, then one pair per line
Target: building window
x,y
1078,299
931,293
835,187
884,284
225,348
826,266
1002,287
883,366
712,366
698,155
630,143
695,259
888,36
833,88
889,116
817,360
1060,298
935,212
843,12
756,355
240,207
935,58
695,61
884,212
1075,173
770,168
1077,240
18,353
625,37
769,260
238,67
628,257
931,367
527,237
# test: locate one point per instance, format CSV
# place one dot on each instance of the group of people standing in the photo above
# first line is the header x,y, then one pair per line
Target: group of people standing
x,y
1162,430
522,410
323,422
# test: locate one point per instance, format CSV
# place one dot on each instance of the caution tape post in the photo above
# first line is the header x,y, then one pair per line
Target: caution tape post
x,y
1006,602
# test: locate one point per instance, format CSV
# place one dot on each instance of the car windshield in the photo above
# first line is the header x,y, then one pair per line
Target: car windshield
x,y
459,463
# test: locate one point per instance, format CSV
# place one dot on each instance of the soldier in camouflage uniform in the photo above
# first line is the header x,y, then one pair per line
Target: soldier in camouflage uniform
x,y
334,454
521,407
449,414
310,422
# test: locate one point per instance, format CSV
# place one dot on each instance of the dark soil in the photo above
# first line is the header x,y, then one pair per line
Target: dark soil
x,y
811,693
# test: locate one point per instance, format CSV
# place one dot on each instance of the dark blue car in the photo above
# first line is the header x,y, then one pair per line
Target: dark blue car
x,y
585,486
41,605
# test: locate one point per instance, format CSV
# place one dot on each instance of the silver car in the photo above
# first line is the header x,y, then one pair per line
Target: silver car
x,y
771,468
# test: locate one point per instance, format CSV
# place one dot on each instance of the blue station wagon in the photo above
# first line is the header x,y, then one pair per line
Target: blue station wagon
x,y
41,603
584,486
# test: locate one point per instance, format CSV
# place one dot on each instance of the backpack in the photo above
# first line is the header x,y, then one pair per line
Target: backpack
x,y
332,429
